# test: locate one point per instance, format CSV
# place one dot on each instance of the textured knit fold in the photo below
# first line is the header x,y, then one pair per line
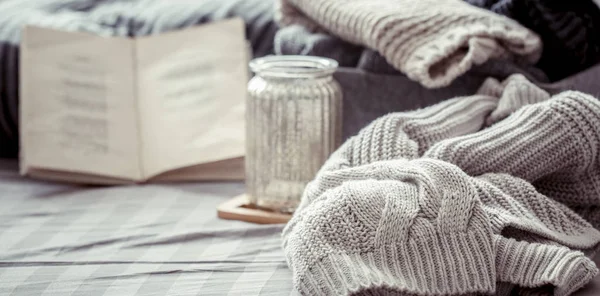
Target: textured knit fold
x,y
432,42
382,217
542,268
541,242
513,202
404,135
513,93
407,226
425,227
409,134
553,144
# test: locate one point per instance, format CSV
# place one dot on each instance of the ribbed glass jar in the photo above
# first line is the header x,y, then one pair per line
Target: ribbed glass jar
x,y
293,121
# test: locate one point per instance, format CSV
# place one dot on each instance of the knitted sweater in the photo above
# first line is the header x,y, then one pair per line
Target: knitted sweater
x,y
570,30
385,216
431,41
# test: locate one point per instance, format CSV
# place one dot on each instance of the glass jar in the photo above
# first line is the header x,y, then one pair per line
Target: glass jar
x,y
293,124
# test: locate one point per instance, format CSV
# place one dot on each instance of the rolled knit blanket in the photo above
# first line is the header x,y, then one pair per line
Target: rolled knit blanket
x,y
570,30
381,218
431,41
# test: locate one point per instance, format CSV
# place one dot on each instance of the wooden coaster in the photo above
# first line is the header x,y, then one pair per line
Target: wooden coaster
x,y
238,208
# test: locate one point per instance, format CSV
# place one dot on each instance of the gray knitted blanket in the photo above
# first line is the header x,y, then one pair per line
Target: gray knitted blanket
x,y
431,41
568,30
487,194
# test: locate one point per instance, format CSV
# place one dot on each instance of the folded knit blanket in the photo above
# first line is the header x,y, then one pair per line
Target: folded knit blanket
x,y
469,196
570,30
431,41
297,40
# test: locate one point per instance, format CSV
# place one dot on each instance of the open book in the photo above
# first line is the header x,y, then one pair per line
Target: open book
x,y
113,110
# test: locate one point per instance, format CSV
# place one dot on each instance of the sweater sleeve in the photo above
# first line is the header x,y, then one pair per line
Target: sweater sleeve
x,y
539,233
514,203
431,41
553,144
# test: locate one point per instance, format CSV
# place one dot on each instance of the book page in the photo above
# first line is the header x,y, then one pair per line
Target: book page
x,y
68,177
192,90
78,108
231,169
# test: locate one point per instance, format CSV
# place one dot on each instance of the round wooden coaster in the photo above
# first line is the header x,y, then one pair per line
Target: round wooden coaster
x,y
238,208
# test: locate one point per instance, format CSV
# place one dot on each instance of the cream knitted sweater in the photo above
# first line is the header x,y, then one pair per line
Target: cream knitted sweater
x,y
456,198
431,41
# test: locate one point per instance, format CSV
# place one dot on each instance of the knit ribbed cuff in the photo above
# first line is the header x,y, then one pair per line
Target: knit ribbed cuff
x,y
530,265
451,264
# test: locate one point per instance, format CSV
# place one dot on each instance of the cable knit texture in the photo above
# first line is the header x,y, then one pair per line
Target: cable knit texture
x,y
431,41
419,203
